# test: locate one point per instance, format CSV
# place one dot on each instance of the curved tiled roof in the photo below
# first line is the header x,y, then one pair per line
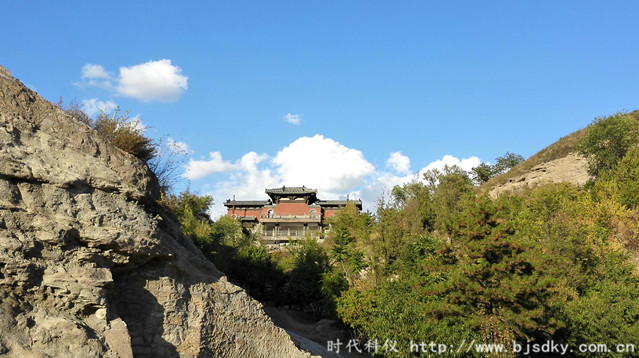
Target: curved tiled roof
x,y
230,203
291,190
276,193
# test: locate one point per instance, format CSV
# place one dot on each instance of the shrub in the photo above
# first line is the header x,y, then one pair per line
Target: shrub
x,y
125,133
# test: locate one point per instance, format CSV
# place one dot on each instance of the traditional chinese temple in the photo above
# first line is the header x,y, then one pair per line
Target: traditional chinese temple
x,y
290,213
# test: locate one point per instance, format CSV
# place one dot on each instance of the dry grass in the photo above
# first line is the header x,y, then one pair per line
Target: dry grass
x,y
559,149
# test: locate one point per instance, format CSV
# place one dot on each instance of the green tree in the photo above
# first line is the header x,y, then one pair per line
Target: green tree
x,y
403,307
448,188
624,178
497,277
306,267
507,162
608,139
484,171
415,201
192,212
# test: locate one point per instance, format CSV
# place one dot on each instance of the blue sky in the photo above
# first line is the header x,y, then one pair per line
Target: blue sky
x,y
363,79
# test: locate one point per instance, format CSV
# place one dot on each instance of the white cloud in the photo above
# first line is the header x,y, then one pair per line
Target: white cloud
x,y
244,178
94,71
150,81
93,106
176,147
153,80
293,118
399,162
466,163
322,163
197,169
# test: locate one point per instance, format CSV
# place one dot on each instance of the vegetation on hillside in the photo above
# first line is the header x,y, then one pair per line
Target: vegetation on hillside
x,y
557,150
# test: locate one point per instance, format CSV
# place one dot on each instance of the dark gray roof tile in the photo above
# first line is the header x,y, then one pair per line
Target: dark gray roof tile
x,y
231,203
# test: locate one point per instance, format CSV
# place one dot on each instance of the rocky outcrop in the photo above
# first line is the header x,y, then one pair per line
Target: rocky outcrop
x,y
572,168
91,266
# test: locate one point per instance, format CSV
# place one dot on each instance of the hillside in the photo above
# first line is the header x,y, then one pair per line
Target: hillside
x,y
91,266
559,162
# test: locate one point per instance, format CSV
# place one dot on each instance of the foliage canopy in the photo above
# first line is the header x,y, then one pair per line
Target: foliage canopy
x,y
608,139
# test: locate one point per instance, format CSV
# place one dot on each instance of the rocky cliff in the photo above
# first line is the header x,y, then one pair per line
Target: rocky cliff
x,y
91,266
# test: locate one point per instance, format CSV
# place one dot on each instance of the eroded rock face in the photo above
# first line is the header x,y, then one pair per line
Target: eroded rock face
x,y
90,266
573,168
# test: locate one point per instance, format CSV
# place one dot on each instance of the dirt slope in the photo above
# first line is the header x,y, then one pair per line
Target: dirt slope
x,y
559,162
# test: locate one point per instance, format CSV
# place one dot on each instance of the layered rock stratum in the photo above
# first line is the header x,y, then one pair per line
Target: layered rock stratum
x,y
91,265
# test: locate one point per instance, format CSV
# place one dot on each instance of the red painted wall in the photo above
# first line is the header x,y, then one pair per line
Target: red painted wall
x,y
244,212
282,209
329,212
285,209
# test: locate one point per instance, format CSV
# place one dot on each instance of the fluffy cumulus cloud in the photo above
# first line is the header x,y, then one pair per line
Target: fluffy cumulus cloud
x,y
197,169
93,106
334,169
153,80
293,118
322,163
150,81
399,162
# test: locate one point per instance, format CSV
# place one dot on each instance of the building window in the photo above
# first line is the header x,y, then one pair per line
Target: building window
x,y
270,213
313,213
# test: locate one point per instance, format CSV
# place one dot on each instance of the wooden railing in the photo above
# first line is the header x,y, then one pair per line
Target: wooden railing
x,y
294,234
290,216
